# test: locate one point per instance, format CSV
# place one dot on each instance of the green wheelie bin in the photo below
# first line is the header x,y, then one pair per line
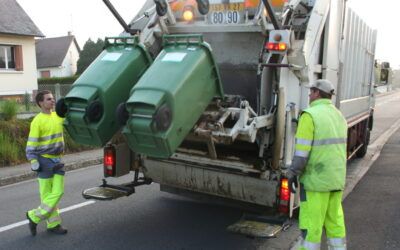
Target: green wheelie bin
x,y
171,96
90,106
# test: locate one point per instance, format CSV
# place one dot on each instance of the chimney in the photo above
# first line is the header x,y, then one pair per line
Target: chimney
x,y
69,33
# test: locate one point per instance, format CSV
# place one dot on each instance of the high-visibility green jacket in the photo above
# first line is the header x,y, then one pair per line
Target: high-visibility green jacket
x,y
321,141
45,137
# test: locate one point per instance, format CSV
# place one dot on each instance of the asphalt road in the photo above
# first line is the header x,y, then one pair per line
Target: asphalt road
x,y
386,113
372,209
151,219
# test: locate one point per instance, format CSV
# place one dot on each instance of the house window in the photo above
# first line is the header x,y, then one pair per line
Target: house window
x,y
45,73
11,57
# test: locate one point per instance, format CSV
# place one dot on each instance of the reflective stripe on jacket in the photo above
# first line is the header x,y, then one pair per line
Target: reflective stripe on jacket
x,y
45,137
326,166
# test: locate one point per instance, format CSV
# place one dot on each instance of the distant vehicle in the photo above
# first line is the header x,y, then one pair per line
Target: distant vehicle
x,y
383,74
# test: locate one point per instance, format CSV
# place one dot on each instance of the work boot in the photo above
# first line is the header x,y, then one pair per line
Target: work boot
x,y
32,225
57,230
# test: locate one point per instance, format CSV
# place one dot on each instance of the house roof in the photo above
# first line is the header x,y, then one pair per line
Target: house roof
x,y
50,52
15,21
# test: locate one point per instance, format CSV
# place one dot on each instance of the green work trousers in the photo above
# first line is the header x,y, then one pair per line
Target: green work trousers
x,y
51,191
320,210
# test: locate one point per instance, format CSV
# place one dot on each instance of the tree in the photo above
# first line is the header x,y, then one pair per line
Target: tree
x,y
89,52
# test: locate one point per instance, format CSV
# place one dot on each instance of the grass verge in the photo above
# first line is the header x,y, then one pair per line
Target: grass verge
x,y
13,136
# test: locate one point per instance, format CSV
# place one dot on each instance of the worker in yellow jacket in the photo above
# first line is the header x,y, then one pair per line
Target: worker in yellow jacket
x,y
320,163
44,149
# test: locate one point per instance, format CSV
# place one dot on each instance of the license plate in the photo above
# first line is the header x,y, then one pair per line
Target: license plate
x,y
231,13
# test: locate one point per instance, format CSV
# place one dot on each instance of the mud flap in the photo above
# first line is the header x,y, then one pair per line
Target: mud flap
x,y
259,226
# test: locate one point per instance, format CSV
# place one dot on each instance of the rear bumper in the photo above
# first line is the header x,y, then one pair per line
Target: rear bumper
x,y
212,180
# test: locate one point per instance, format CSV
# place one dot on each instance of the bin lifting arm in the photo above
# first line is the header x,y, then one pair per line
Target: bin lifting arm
x,y
120,19
272,16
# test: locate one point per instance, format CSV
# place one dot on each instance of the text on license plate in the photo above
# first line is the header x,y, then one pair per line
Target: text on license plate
x,y
225,17
227,7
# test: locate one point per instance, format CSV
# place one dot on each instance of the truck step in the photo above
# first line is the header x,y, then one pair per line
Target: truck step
x,y
104,193
258,226
111,192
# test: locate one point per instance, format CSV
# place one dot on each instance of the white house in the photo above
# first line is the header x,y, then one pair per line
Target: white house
x,y
17,51
57,56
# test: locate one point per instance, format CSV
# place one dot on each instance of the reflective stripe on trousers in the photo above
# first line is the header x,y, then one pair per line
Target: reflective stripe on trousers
x,y
51,191
320,210
336,243
306,245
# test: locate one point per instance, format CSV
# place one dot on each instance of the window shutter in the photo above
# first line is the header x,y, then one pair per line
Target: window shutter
x,y
19,63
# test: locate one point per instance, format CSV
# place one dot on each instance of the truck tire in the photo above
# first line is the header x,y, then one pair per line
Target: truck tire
x,y
363,150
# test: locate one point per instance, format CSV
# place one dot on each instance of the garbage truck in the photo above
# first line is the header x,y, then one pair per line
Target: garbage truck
x,y
216,89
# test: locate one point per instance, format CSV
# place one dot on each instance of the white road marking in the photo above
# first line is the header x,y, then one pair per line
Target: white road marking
x,y
24,222
76,206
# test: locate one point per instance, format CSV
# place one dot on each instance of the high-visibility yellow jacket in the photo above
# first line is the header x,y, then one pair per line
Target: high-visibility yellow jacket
x,y
45,137
320,156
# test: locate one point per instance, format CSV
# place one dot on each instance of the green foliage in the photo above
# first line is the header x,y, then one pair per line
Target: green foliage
x,y
71,146
13,136
60,80
89,52
9,109
8,150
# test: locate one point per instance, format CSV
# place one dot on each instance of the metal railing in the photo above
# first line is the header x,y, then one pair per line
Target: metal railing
x,y
58,90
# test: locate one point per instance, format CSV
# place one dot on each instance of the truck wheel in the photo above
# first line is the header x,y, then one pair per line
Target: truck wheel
x,y
363,150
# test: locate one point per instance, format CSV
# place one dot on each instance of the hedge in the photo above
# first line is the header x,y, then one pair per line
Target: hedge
x,y
60,80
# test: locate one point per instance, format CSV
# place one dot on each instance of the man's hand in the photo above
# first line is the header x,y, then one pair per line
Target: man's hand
x,y
35,166
292,181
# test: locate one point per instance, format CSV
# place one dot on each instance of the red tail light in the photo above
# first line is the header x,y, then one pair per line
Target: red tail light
x,y
276,46
284,196
109,161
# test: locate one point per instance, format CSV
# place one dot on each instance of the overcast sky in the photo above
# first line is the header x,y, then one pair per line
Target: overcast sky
x,y
91,19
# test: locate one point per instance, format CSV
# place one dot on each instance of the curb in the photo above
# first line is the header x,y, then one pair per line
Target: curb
x,y
28,174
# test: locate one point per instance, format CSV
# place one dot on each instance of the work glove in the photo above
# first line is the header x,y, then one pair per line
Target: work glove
x,y
35,166
292,181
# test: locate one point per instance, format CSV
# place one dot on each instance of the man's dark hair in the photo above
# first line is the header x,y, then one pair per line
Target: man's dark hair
x,y
323,94
40,96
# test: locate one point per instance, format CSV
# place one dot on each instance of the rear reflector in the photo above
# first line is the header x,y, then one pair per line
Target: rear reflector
x,y
284,196
109,161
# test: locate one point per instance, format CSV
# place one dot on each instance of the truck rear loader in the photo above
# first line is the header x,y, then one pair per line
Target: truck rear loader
x,y
215,113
